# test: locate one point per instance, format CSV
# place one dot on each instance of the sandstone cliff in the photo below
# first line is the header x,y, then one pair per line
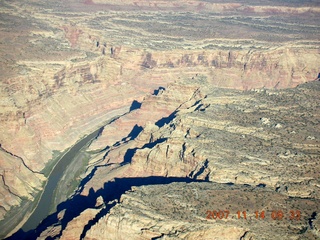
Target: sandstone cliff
x,y
253,142
67,68
180,211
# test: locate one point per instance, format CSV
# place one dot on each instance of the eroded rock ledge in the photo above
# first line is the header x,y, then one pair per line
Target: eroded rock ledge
x,y
67,66
180,211
257,153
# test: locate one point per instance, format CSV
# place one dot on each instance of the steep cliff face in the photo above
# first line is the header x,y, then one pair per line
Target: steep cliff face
x,y
261,145
228,136
14,188
69,67
216,6
183,211
79,100
242,138
240,69
47,117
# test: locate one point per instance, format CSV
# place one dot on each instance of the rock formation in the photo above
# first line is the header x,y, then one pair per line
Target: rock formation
x,y
181,211
203,73
249,145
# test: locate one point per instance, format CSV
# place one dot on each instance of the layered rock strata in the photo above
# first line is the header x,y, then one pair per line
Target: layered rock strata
x,y
182,211
68,67
260,138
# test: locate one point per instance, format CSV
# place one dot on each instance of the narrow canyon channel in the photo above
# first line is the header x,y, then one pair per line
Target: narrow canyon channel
x,y
43,207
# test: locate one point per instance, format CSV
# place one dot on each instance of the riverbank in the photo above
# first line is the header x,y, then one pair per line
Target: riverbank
x,y
42,209
23,217
42,204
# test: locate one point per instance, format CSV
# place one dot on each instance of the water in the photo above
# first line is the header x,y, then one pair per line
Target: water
x,y
44,205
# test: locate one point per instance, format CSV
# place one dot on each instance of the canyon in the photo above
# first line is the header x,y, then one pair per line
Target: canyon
x,y
204,95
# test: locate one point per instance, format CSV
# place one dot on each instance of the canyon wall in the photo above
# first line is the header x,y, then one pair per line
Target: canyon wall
x,y
256,143
69,67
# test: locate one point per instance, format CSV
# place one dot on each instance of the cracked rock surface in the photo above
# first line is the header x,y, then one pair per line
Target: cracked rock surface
x,y
220,150
204,90
180,211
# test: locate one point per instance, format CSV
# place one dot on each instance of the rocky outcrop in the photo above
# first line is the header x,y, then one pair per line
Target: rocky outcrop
x,y
212,6
183,211
262,154
227,136
239,69
67,68
14,188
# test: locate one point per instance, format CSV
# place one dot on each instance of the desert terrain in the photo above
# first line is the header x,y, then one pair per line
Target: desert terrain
x,y
151,119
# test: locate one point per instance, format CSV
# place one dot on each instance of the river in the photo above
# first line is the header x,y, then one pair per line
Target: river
x,y
42,210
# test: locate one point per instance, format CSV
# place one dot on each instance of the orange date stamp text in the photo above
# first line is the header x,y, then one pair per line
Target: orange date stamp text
x,y
260,215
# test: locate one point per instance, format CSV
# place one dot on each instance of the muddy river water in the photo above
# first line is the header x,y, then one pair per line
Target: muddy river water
x,y
42,210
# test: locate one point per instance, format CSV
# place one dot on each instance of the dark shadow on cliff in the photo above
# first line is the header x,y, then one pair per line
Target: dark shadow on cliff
x,y
111,193
73,207
22,235
130,152
134,105
194,174
136,130
132,135
166,120
157,91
